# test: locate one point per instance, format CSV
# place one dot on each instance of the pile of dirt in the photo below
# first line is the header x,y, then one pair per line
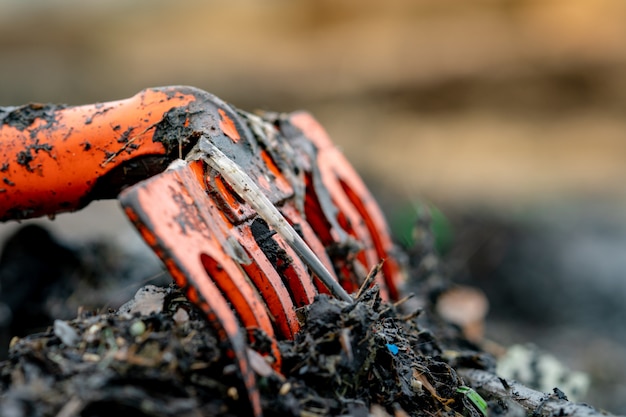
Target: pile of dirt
x,y
157,356
157,364
353,356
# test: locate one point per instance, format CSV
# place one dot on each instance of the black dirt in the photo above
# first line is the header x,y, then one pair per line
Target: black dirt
x,y
559,394
119,363
89,120
263,236
350,357
23,117
181,127
347,359
126,135
174,132
25,157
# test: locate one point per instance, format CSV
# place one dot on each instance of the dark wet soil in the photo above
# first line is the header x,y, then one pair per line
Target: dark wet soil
x,y
157,356
24,116
99,364
169,363
164,359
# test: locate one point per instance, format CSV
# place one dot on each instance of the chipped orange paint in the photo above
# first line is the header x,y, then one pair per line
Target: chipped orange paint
x,y
279,178
51,166
228,126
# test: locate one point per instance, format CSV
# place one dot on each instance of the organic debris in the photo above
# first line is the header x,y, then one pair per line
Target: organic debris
x,y
159,364
351,356
158,356
168,362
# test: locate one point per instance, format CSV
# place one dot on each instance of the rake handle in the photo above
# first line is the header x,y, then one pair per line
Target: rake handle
x,y
56,158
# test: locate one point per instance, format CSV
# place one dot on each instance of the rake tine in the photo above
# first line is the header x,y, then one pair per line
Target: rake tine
x,y
250,192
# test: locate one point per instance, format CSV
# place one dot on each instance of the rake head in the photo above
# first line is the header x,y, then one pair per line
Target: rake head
x,y
253,217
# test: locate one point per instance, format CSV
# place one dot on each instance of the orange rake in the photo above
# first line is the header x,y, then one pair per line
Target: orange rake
x,y
252,215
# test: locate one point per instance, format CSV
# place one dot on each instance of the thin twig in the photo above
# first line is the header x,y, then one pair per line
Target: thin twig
x,y
369,279
129,142
403,300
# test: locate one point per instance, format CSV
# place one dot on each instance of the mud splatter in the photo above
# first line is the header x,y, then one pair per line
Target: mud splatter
x,y
25,157
173,131
89,119
23,117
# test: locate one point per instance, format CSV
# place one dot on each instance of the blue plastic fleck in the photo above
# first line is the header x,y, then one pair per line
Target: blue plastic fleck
x,y
393,348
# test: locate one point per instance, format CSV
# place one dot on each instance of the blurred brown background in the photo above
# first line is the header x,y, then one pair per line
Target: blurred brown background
x,y
496,102
507,115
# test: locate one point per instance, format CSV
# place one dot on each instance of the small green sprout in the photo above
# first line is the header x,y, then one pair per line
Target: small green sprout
x,y
474,398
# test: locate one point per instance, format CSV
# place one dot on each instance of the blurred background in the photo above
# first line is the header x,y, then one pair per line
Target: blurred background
x,y
507,115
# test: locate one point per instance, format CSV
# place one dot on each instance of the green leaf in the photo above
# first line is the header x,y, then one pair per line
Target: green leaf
x,y
475,399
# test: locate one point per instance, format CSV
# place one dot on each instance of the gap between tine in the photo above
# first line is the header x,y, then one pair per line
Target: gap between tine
x,y
251,194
